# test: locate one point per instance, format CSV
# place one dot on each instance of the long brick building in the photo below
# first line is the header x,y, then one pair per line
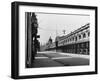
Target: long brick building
x,y
75,42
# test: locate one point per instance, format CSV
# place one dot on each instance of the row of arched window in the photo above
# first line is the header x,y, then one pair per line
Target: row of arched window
x,y
74,38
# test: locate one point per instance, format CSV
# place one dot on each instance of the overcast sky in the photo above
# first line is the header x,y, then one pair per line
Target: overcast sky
x,y
54,24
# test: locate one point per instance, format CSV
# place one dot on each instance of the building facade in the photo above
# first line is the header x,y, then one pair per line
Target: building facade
x,y
75,42
31,36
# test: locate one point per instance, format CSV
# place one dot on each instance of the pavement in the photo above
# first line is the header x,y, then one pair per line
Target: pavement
x,y
55,59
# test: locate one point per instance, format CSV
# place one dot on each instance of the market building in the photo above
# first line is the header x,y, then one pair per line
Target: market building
x,y
76,42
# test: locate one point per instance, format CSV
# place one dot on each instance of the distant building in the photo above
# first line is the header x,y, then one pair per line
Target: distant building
x,y
74,42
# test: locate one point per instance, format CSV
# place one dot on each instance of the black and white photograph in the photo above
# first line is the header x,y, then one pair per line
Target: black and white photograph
x,y
51,40
54,40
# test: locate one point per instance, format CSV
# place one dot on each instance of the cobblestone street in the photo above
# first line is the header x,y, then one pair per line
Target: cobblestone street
x,y
53,59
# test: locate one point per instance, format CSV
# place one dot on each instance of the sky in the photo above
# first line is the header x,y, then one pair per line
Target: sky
x,y
52,25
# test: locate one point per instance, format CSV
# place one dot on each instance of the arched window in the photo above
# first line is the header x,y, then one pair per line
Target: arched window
x,y
79,36
76,38
66,40
84,35
73,38
70,39
88,34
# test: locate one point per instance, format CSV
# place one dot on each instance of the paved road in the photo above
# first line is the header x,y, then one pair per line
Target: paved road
x,y
53,59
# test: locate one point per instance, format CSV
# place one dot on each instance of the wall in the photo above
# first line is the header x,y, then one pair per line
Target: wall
x,y
5,40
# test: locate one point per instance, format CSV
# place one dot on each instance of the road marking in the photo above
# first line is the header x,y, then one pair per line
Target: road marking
x,y
41,57
61,57
46,52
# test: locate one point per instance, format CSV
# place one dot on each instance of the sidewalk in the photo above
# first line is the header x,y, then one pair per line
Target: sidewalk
x,y
76,55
